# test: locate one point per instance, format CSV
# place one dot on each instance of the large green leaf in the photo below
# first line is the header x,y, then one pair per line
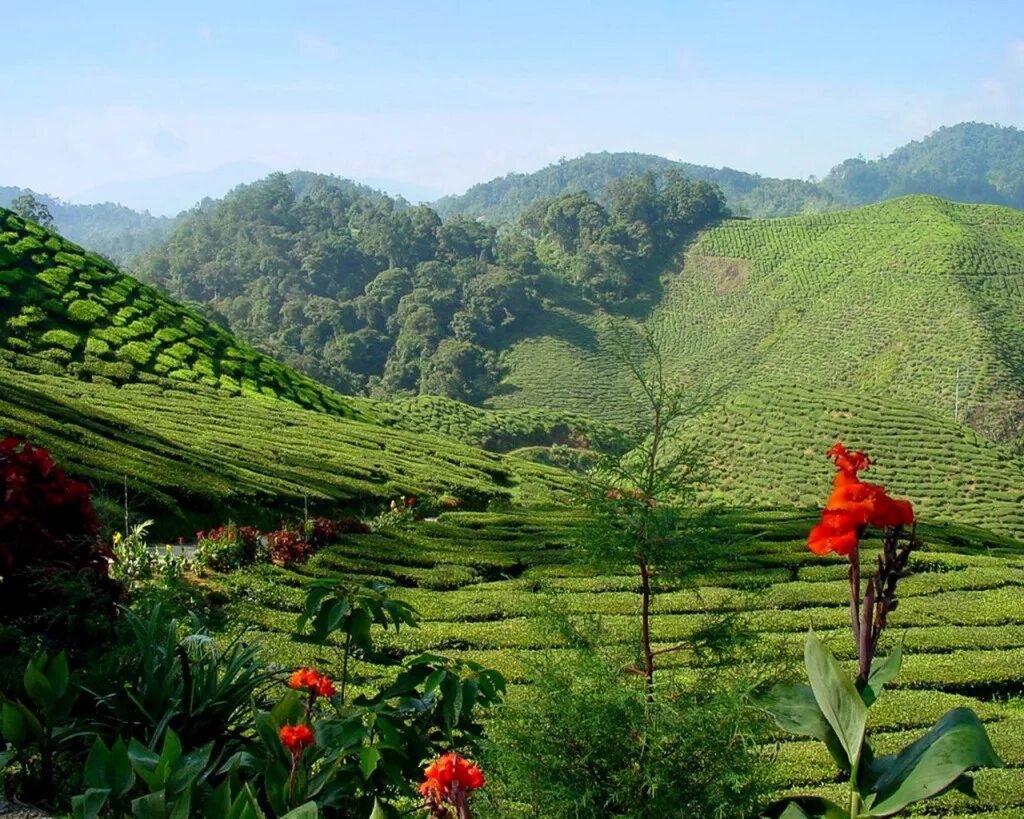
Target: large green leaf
x,y
933,763
836,696
882,671
89,804
794,709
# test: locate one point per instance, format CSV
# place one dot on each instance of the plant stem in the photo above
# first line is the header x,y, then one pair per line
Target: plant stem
x,y
645,628
855,595
344,666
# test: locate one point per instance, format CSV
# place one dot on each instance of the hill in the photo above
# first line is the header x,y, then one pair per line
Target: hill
x,y
501,200
969,162
371,296
67,311
792,333
131,389
113,231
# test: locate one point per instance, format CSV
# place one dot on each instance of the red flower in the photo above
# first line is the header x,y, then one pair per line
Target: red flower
x,y
296,737
317,683
854,505
449,779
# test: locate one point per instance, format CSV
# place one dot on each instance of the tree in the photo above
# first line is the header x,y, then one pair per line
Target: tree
x,y
28,207
640,500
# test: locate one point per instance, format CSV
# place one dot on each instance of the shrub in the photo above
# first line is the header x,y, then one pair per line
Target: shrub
x,y
289,546
85,311
60,338
54,568
584,743
324,531
227,547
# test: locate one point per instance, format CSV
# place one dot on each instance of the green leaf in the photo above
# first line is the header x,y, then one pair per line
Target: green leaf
x,y
808,807
794,709
307,811
794,811
37,686
378,810
89,804
151,806
932,764
882,671
13,725
182,806
58,675
119,769
836,696
369,758
97,764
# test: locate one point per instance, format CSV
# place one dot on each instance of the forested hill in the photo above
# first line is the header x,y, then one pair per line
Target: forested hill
x,y
969,162
370,295
502,200
114,231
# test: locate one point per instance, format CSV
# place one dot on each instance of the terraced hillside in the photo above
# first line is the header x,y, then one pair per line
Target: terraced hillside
x,y
793,333
481,582
204,455
68,307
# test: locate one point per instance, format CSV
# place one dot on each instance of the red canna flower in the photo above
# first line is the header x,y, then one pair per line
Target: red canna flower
x,y
318,684
854,505
449,780
296,738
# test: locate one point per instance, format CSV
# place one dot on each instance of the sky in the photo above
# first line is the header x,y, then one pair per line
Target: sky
x,y
149,103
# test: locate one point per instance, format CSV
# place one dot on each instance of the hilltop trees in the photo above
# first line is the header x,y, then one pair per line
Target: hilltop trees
x,y
28,207
371,295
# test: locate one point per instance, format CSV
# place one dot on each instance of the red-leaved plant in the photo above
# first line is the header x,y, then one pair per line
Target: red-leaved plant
x,y
46,518
834,707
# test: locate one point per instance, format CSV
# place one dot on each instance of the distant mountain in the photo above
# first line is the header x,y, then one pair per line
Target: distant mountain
x,y
170,195
115,231
970,162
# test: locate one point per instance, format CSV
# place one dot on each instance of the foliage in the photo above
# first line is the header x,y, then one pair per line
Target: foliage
x,y
386,300
28,207
227,547
36,724
53,567
835,709
172,676
74,308
582,742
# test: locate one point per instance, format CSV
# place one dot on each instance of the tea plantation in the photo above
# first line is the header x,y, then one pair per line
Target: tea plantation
x,y
69,312
482,582
199,452
888,300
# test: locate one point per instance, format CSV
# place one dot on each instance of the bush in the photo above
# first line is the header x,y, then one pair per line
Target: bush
x,y
289,546
55,586
227,547
582,743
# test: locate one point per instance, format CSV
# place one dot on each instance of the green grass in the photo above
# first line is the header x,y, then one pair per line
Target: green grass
x,y
64,310
960,616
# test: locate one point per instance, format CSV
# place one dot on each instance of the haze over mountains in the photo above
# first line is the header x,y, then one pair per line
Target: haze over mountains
x,y
969,162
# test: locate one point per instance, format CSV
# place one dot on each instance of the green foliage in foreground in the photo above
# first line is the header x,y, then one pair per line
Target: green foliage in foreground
x,y
219,456
483,582
67,311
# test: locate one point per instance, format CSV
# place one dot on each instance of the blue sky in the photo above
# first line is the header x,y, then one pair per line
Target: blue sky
x,y
432,97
